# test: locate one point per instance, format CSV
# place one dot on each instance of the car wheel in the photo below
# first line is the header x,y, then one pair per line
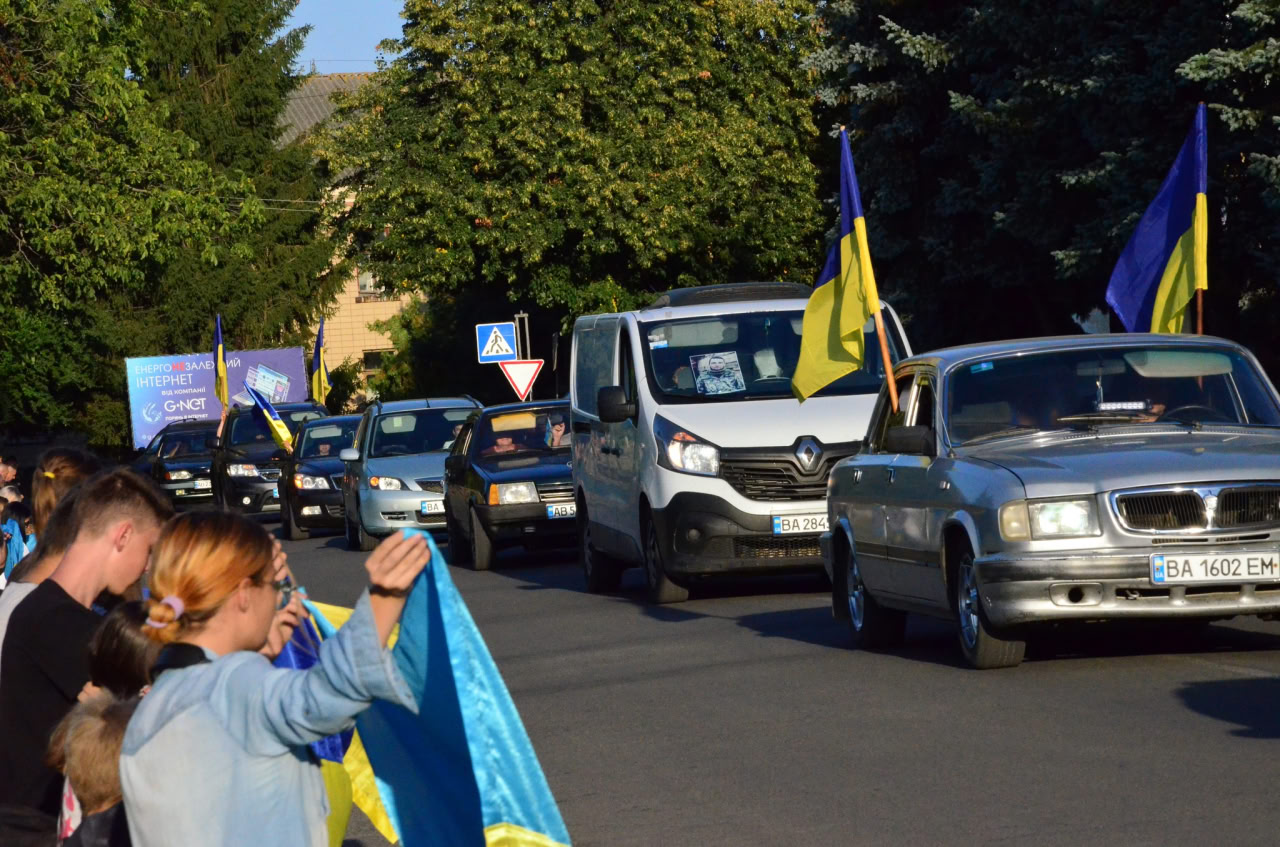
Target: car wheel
x,y
983,647
661,589
481,545
602,573
293,532
870,624
459,546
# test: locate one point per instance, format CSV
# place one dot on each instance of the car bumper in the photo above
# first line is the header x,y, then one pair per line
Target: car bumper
x,y
184,494
703,535
317,509
384,512
1032,588
251,496
525,522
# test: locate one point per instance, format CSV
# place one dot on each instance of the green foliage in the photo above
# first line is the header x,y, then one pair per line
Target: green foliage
x,y
576,155
346,381
97,192
1007,149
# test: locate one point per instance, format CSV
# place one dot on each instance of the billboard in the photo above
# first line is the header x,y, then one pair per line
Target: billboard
x,y
163,389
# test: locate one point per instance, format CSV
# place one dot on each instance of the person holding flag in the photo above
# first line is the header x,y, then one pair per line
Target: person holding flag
x,y
220,373
320,381
831,339
1166,261
267,413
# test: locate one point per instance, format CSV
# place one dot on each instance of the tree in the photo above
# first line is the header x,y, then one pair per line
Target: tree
x,y
226,76
1007,149
576,155
96,193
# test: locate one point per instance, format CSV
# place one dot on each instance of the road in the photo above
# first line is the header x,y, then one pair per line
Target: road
x,y
741,718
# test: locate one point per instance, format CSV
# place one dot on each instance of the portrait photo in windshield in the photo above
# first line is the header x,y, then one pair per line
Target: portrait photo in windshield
x,y
744,357
529,430
1089,388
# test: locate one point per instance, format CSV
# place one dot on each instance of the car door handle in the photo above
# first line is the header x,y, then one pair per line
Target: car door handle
x,y
857,475
888,475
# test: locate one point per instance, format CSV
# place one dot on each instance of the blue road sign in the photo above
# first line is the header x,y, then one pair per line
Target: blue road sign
x,y
496,342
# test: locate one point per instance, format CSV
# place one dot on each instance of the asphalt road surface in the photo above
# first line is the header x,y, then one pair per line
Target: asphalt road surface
x,y
740,717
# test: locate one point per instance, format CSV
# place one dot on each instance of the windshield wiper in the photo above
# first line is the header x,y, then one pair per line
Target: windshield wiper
x,y
1089,418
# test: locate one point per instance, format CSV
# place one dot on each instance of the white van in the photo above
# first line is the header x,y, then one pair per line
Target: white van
x,y
691,457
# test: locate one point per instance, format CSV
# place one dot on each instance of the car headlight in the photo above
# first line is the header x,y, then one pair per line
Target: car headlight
x,y
177,475
309,482
683,451
1021,520
242,470
511,493
385,483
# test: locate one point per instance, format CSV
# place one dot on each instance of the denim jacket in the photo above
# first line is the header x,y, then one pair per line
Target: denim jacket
x,y
216,753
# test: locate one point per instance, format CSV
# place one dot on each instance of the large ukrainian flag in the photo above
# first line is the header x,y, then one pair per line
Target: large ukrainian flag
x,y
831,343
320,381
1166,259
462,771
275,425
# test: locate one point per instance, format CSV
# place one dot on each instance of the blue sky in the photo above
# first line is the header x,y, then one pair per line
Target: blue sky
x,y
344,34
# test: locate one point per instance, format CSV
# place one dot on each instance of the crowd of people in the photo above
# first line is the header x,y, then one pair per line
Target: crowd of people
x,y
139,702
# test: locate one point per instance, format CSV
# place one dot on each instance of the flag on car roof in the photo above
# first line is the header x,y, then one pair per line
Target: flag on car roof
x,y
462,771
1166,259
831,341
320,382
219,364
268,414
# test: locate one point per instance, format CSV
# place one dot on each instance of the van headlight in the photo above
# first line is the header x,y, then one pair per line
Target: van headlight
x,y
683,451
1021,520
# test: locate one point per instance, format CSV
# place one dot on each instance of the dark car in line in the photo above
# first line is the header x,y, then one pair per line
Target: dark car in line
x,y
247,463
508,481
179,459
313,497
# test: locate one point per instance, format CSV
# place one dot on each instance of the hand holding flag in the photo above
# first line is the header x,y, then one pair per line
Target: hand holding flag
x,y
267,414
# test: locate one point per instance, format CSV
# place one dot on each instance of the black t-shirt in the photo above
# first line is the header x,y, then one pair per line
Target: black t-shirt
x,y
44,662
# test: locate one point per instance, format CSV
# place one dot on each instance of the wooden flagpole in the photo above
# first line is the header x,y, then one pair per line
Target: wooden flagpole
x,y
888,363
1199,311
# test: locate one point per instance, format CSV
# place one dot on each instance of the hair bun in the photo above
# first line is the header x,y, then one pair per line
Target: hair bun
x,y
162,619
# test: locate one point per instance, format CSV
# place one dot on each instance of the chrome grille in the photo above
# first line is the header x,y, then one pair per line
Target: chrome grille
x,y
1164,510
1239,507
433,485
556,492
775,473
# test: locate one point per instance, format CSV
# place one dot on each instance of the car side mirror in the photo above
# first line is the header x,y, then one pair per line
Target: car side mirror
x,y
913,440
214,442
349,454
613,404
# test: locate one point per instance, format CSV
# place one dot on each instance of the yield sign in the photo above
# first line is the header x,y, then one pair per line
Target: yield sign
x,y
521,373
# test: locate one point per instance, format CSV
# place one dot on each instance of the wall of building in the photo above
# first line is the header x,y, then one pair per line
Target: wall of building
x,y
346,331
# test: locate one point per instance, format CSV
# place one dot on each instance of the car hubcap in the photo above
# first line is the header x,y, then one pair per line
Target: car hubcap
x,y
857,599
968,605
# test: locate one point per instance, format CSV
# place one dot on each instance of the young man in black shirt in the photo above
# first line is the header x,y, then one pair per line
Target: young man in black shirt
x,y
44,660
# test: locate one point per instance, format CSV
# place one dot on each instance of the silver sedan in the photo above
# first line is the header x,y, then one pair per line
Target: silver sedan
x,y
1083,478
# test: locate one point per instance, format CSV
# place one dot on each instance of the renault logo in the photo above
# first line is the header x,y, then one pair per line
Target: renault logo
x,y
809,452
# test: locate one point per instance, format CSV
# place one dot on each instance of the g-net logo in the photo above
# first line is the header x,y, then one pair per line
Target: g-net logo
x,y
150,413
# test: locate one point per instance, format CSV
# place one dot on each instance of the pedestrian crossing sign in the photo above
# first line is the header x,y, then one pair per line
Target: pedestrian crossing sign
x,y
496,342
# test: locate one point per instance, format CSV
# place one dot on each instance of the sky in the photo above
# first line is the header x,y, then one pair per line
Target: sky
x,y
345,34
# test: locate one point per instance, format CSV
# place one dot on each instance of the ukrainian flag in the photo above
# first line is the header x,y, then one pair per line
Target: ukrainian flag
x,y
262,407
462,771
1166,260
831,341
219,365
320,382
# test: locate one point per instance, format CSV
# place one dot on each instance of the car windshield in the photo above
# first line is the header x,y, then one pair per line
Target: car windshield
x,y
248,428
419,431
192,442
745,357
1087,388
528,430
326,440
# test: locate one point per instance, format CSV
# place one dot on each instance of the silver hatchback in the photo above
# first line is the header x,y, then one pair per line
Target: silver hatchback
x,y
394,477
1076,478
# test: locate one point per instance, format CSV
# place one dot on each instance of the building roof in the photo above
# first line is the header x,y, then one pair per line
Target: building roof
x,y
312,102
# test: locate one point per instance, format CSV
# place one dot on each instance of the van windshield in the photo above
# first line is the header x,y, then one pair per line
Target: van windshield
x,y
745,357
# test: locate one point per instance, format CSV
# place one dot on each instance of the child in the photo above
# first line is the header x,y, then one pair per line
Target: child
x,y
15,521
86,747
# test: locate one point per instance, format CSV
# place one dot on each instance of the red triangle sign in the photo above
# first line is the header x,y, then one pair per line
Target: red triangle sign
x,y
521,373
